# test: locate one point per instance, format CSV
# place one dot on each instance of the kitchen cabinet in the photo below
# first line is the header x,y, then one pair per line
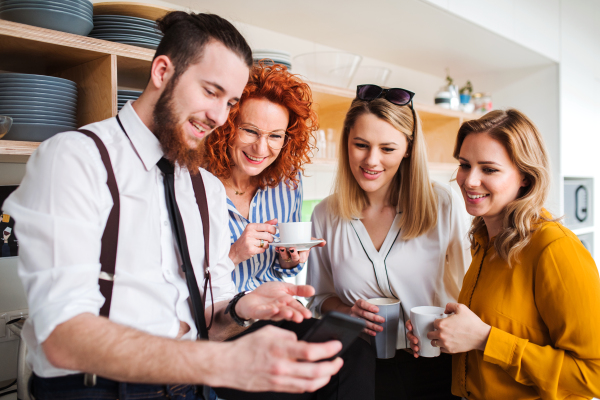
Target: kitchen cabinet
x,y
97,66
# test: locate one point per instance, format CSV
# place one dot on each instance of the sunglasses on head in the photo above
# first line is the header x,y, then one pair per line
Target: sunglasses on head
x,y
397,96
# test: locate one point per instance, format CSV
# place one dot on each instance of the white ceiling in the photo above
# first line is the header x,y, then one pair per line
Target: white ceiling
x,y
410,33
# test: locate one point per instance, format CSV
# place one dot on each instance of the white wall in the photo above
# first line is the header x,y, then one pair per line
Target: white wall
x,y
579,101
532,23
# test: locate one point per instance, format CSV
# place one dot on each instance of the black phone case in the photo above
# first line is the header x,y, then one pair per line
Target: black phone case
x,y
335,326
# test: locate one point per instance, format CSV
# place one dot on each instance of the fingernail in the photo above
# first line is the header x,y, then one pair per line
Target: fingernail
x,y
292,250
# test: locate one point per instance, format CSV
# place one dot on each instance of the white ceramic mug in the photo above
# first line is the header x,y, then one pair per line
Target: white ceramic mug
x,y
422,319
294,232
385,341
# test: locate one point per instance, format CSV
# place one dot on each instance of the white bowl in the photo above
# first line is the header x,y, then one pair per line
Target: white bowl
x,y
334,68
370,75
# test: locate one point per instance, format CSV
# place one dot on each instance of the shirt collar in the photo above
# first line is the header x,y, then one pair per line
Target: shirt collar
x,y
143,140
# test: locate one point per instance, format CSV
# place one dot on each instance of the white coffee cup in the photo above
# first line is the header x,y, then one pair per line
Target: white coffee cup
x,y
422,319
294,232
385,341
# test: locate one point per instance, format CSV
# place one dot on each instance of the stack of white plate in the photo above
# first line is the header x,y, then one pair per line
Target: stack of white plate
x,y
128,30
123,96
270,57
39,105
72,16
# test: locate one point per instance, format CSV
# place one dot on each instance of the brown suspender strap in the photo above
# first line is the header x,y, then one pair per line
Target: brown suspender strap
x,y
110,237
200,192
201,200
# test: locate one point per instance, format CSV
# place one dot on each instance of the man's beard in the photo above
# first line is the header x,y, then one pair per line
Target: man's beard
x,y
170,133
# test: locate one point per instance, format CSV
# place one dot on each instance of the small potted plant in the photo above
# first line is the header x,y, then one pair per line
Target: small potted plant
x,y
465,93
447,96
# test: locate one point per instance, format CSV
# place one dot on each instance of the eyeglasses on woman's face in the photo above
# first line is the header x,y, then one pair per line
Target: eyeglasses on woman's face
x,y
249,134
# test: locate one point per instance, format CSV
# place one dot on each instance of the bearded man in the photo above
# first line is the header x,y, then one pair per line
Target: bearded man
x,y
137,339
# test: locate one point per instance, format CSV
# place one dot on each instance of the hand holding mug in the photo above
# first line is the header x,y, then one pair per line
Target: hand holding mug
x,y
422,322
367,311
254,240
461,332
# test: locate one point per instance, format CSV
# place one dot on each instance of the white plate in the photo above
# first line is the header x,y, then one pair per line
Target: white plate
x,y
298,246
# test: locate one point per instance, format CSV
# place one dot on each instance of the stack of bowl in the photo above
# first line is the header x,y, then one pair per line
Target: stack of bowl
x,y
71,16
39,105
123,96
271,57
128,30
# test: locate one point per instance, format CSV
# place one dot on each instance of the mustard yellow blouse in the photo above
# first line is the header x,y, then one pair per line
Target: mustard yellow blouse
x,y
545,318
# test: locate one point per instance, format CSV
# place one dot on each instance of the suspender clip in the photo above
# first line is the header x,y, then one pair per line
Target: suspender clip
x,y
106,276
89,380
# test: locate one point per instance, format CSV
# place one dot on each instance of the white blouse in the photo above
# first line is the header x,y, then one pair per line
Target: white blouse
x,y
425,271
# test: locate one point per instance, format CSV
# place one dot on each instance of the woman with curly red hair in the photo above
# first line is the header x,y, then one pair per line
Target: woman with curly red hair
x,y
258,154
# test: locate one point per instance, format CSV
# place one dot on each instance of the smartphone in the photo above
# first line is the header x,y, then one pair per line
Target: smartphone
x,y
335,326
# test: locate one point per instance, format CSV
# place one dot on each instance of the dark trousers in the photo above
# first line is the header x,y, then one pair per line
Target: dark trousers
x,y
356,379
405,377
71,387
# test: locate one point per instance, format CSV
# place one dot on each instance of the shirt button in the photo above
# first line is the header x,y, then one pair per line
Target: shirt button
x,y
166,223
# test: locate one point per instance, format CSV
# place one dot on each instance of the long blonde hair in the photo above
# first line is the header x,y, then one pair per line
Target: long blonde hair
x,y
411,188
527,151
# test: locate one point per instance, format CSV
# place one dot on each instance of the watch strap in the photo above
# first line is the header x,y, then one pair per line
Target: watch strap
x,y
230,309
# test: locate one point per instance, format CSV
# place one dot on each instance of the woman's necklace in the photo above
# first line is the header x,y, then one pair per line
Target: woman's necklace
x,y
237,192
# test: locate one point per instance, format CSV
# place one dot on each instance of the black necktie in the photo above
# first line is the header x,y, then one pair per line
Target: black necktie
x,y
177,223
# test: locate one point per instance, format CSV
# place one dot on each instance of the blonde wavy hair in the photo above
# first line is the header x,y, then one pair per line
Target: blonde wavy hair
x,y
411,188
527,151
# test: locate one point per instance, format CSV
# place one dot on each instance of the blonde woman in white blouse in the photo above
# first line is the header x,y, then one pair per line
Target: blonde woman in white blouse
x,y
390,232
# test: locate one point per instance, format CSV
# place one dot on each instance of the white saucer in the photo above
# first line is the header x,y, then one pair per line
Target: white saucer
x,y
298,246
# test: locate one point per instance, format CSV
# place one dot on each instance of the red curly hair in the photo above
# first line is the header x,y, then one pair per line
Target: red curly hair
x,y
276,84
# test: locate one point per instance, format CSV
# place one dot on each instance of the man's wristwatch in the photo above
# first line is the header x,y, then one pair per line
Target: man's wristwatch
x,y
231,310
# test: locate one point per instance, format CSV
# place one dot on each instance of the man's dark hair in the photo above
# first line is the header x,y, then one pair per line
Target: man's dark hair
x,y
186,36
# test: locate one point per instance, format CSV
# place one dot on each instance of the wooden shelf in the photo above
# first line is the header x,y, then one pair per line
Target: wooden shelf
x,y
53,49
16,152
97,66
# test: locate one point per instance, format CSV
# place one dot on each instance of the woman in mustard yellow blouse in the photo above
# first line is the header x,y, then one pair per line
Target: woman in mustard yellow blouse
x,y
527,325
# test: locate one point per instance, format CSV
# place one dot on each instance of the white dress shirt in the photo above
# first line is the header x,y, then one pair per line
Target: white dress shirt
x,y
424,271
61,209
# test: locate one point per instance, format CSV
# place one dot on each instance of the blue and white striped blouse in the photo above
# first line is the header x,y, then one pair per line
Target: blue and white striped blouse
x,y
279,202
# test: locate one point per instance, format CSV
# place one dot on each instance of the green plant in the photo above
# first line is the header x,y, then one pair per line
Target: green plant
x,y
467,89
